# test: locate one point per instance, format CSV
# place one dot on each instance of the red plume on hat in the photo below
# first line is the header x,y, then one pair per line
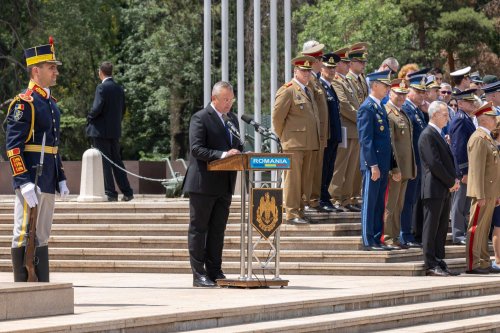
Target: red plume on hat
x,y
51,40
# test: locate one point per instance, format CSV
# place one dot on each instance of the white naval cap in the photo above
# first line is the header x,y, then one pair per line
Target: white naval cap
x,y
461,72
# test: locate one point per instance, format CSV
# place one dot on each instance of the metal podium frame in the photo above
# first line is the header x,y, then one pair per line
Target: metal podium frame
x,y
247,245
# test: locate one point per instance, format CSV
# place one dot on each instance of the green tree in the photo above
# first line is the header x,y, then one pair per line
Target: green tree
x,y
338,23
461,32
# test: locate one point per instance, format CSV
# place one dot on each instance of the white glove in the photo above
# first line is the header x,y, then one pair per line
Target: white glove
x,y
29,195
63,189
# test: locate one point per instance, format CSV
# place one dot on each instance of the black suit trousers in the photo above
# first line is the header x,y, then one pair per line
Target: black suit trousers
x,y
208,219
435,228
111,148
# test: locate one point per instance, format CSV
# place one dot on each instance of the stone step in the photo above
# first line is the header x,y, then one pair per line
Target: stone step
x,y
413,268
228,255
159,217
181,229
385,306
489,323
175,242
233,255
28,300
375,319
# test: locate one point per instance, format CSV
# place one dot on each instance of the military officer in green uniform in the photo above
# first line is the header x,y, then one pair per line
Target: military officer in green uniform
x,y
295,121
401,140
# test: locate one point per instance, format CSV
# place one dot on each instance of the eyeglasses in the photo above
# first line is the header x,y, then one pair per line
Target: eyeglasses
x,y
454,105
445,92
227,100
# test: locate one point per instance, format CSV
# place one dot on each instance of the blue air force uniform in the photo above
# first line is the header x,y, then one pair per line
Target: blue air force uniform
x,y
461,129
417,119
375,150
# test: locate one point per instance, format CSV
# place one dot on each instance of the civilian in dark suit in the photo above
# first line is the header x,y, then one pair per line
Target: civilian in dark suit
x,y
104,129
438,180
210,192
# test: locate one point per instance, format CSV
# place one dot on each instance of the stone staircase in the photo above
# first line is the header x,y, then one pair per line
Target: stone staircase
x,y
150,235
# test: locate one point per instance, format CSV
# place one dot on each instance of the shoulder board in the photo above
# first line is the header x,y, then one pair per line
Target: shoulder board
x,y
55,100
27,96
288,84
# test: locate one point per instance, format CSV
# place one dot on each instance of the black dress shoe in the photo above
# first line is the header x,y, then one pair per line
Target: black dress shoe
x,y
402,246
414,245
436,271
327,209
127,197
478,270
494,270
340,208
391,247
217,276
353,208
462,242
373,248
297,220
203,281
112,198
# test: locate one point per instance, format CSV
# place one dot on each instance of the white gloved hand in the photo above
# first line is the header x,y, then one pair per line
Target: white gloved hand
x,y
63,189
29,195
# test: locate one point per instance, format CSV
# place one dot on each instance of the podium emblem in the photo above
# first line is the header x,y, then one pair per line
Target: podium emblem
x,y
267,210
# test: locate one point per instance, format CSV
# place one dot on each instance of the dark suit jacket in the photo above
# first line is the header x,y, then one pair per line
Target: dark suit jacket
x,y
438,167
208,140
104,120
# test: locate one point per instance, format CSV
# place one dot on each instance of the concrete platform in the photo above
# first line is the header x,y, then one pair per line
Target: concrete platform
x,y
28,300
106,302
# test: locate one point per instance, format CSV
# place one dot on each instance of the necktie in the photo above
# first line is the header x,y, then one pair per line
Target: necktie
x,y
228,133
307,93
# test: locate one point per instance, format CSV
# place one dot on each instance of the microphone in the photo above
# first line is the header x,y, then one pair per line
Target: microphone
x,y
258,127
234,131
262,130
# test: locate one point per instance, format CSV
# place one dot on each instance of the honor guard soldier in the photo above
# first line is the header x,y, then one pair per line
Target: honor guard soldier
x,y
295,121
402,146
314,49
484,189
330,61
32,116
411,108
343,185
460,130
376,160
461,79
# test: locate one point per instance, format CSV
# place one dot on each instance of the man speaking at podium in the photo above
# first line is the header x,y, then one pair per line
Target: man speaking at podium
x,y
210,192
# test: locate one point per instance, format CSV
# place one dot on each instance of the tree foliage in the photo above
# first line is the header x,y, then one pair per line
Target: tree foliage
x,y
157,49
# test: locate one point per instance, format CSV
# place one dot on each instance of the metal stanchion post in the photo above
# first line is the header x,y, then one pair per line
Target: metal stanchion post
x,y
243,222
249,231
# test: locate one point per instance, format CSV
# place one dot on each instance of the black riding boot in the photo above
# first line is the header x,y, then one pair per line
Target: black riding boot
x,y
42,269
20,273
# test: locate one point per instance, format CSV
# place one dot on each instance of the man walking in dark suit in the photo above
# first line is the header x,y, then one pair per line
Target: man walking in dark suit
x,y
210,192
104,129
438,180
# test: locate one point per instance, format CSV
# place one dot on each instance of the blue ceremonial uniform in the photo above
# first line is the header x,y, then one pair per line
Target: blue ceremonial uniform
x,y
461,128
330,153
375,149
417,119
30,115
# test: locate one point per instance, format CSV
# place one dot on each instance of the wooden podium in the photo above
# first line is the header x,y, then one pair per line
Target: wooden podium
x,y
264,212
